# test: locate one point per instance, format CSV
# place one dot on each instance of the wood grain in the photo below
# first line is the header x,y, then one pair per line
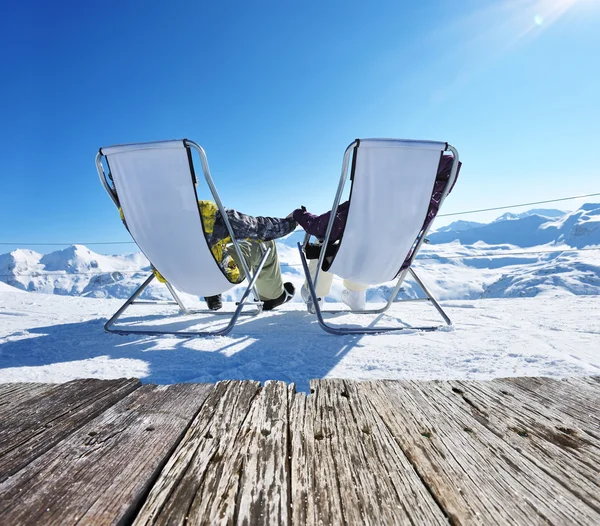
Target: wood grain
x,y
507,451
474,474
40,422
550,440
100,474
11,395
201,479
342,451
573,397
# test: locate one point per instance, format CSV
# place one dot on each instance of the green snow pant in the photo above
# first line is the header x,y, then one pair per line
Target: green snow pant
x,y
269,283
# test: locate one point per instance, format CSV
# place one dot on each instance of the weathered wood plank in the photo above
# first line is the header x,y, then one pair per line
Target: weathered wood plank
x,y
549,439
592,381
315,493
342,449
474,474
100,474
11,395
263,487
571,397
200,482
39,423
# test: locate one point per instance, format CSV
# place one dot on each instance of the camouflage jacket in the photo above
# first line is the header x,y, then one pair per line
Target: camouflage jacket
x,y
244,227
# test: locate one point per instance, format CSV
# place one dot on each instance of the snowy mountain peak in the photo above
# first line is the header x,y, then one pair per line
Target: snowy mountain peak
x,y
591,207
74,270
577,229
542,212
76,258
19,260
457,259
458,226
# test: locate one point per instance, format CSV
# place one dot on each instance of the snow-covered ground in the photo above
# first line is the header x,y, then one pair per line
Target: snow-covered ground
x,y
51,338
523,292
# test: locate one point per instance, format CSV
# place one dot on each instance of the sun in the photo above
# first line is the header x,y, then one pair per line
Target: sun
x,y
538,15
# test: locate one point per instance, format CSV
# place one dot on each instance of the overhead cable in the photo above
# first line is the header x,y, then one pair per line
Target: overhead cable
x,y
516,206
299,230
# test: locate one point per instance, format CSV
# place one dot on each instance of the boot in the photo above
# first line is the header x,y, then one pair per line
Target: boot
x,y
355,299
214,302
286,295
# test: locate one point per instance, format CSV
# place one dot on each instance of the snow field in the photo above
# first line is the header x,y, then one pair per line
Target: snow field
x,y
49,338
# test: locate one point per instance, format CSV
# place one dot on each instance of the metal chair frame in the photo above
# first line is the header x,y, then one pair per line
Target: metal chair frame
x,y
251,277
313,305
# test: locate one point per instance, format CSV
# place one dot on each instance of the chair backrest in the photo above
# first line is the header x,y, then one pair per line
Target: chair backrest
x,y
392,185
156,191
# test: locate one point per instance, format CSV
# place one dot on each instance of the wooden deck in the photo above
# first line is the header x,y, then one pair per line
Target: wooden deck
x,y
510,451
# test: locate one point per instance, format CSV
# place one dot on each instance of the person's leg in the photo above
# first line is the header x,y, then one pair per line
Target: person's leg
x,y
269,283
354,295
357,287
325,279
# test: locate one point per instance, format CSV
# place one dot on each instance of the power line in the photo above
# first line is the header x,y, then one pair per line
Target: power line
x,y
522,204
299,230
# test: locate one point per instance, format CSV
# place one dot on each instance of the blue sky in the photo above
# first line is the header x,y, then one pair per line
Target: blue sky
x,y
274,92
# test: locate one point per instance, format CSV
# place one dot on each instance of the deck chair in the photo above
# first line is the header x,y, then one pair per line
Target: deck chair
x,y
154,187
392,206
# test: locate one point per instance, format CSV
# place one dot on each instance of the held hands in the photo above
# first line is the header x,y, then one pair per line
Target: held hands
x,y
291,216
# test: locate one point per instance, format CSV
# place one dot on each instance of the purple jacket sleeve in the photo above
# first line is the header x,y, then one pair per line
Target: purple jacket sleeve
x,y
317,225
314,225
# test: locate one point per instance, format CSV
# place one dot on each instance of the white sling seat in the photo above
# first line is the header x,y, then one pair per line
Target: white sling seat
x,y
155,188
392,186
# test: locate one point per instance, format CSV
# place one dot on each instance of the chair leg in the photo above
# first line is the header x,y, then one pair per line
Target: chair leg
x,y
430,296
221,332
109,323
182,307
364,330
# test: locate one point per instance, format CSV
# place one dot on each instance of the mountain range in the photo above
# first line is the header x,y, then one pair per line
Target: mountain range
x,y
537,227
516,255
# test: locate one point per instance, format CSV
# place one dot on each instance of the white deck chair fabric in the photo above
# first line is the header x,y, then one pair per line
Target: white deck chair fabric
x,y
391,190
156,190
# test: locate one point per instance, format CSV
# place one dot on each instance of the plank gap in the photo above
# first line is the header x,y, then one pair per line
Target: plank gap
x,y
130,516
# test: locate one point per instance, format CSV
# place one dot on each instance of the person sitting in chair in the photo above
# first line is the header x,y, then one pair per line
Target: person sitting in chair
x,y
354,294
250,232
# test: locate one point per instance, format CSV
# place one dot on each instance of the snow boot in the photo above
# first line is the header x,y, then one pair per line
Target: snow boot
x,y
214,302
355,299
286,295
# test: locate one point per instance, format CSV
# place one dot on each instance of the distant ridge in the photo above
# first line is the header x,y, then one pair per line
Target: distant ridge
x,y
453,270
577,229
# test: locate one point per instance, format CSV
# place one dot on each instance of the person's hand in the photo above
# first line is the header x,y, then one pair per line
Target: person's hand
x,y
291,216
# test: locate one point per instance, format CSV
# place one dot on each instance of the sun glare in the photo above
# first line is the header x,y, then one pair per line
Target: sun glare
x,y
541,14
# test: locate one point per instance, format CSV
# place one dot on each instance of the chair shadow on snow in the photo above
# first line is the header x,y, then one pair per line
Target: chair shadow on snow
x,y
287,345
